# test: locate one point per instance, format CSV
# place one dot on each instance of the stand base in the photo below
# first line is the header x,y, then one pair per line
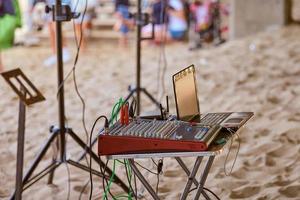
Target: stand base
x,y
132,91
29,180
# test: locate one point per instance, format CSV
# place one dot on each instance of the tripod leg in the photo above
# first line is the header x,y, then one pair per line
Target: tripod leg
x,y
150,97
37,161
95,157
132,91
55,146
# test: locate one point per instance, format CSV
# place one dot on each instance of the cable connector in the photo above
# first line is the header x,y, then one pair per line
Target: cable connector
x,y
106,126
160,166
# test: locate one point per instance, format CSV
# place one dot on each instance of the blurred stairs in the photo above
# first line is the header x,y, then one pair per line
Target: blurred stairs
x,y
102,24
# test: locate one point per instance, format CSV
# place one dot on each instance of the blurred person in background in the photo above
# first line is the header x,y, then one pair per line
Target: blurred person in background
x,y
124,22
159,18
37,14
83,24
177,22
205,16
10,19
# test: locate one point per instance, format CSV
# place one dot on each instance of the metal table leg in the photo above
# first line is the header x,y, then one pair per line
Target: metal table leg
x,y
191,177
187,171
204,177
143,180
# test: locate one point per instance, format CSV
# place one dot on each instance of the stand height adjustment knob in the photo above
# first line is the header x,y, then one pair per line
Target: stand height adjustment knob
x,y
48,9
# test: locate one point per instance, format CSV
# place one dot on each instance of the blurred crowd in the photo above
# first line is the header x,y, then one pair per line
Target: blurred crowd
x,y
197,21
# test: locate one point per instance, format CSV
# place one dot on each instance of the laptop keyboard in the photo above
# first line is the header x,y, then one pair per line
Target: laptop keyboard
x,y
214,118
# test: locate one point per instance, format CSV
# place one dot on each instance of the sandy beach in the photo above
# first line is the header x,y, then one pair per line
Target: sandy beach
x,y
260,74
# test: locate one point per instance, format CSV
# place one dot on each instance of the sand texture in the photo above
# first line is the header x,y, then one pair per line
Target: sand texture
x,y
259,74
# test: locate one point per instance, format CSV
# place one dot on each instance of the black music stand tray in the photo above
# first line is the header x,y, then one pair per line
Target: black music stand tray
x,y
28,95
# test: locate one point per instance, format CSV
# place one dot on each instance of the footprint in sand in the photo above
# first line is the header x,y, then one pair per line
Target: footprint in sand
x,y
283,151
291,136
171,173
290,191
4,193
79,188
254,162
270,161
164,190
244,192
262,133
240,173
279,181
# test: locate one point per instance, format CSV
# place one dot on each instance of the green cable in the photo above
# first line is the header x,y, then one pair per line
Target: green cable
x,y
114,114
129,176
110,181
129,197
113,117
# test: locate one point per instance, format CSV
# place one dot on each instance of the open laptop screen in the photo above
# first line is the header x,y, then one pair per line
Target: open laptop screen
x,y
185,90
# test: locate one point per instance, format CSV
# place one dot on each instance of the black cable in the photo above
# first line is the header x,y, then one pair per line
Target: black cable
x,y
230,147
103,175
92,130
204,188
78,45
191,190
157,183
132,107
104,180
69,181
159,171
120,161
145,168
83,189
129,181
135,187
74,69
216,196
154,162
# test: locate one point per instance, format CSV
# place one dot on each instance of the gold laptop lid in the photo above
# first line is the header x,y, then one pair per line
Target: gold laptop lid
x,y
185,91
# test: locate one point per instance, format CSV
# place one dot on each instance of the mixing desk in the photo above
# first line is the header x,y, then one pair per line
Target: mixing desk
x,y
142,135
150,136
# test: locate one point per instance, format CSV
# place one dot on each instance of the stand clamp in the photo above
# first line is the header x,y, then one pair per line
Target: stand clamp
x,y
61,13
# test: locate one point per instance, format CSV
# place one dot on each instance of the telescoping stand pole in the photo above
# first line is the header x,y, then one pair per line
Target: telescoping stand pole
x,y
141,19
60,76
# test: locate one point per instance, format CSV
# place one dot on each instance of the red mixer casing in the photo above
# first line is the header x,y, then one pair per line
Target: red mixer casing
x,y
112,145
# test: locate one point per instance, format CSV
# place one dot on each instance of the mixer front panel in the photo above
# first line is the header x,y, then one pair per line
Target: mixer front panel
x,y
142,136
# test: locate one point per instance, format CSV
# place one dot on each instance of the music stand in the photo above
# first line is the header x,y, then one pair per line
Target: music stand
x,y
28,95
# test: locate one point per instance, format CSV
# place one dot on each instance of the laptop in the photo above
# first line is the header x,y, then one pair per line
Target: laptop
x,y
185,92
188,108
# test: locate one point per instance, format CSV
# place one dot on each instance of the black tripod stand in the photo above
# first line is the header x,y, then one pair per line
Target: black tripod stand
x,y
62,13
141,19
